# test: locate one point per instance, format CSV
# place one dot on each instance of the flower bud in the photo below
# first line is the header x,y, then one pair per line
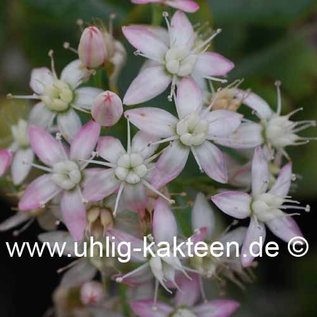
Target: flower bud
x,y
107,109
91,48
91,293
5,161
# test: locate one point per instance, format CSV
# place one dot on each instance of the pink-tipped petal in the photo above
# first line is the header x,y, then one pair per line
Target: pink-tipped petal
x,y
68,124
148,308
85,97
284,227
260,172
189,290
135,198
152,120
189,97
234,204
170,164
85,141
188,6
75,73
46,147
38,193
253,241
99,183
222,122
149,83
203,215
21,165
248,135
5,161
40,77
283,183
213,64
110,148
164,222
217,308
144,40
181,31
212,161
256,103
120,237
74,213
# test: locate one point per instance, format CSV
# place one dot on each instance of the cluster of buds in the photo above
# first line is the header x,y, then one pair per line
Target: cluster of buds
x,y
97,187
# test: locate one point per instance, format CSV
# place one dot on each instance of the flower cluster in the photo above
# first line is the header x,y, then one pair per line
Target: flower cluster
x,y
89,184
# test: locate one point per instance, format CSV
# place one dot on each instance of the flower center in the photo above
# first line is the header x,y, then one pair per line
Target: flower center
x,y
179,62
183,312
58,96
66,174
266,206
131,168
20,135
279,132
192,130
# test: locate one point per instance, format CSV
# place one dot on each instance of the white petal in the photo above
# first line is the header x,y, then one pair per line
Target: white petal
x,y
233,203
189,97
149,83
256,103
75,73
222,122
283,183
110,148
146,41
212,161
170,164
260,172
14,221
203,215
256,233
41,116
85,97
141,144
40,77
135,198
68,124
153,121
21,165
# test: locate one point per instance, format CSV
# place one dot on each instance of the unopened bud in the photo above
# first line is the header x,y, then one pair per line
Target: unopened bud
x,y
107,109
91,293
91,48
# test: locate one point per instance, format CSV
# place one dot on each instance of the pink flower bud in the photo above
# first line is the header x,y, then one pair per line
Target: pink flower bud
x,y
107,109
5,161
91,48
91,293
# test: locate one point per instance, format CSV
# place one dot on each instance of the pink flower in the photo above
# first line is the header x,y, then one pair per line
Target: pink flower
x,y
127,172
275,130
186,303
91,48
107,109
162,267
264,205
5,160
172,54
65,174
184,5
60,98
195,130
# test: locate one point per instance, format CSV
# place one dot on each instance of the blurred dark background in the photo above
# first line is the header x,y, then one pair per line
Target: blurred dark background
x,y
267,39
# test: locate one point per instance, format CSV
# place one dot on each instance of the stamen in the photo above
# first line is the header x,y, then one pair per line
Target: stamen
x,y
80,109
279,98
121,188
205,45
140,268
223,81
139,53
67,46
70,265
80,24
111,165
86,162
51,55
129,137
172,138
110,26
167,21
172,91
305,208
59,138
202,289
154,190
294,111
31,97
40,167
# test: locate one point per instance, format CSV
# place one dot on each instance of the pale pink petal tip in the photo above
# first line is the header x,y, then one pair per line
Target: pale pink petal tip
x,y
5,161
